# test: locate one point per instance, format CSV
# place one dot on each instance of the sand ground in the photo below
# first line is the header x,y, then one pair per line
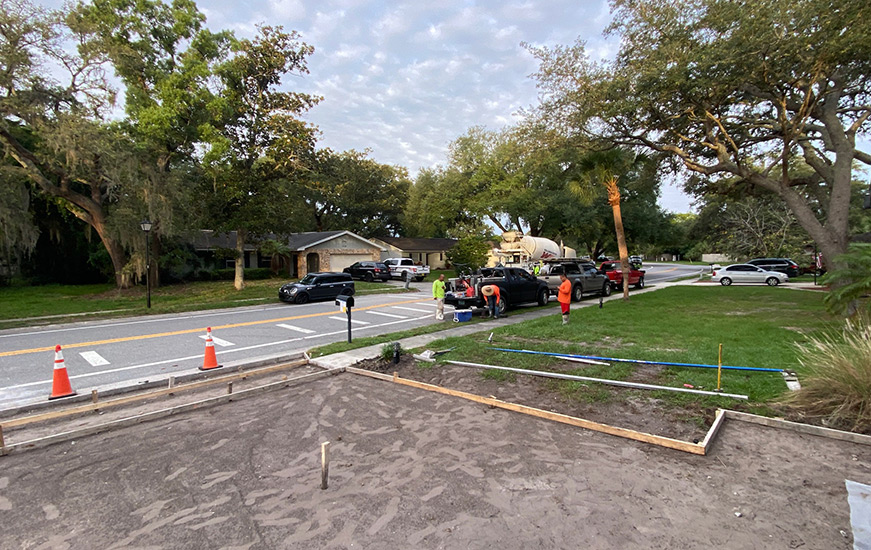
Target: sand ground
x,y
414,469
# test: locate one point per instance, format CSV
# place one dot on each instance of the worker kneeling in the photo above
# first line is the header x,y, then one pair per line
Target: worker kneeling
x,y
491,296
565,297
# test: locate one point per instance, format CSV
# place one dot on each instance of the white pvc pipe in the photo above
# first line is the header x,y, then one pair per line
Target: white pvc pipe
x,y
621,383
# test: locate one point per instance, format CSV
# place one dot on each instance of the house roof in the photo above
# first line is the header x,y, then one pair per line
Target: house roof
x,y
302,241
409,244
208,240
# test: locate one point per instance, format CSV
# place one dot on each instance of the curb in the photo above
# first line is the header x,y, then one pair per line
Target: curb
x,y
109,391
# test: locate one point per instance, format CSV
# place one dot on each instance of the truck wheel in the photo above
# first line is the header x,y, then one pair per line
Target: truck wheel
x,y
543,296
503,306
419,279
577,293
606,289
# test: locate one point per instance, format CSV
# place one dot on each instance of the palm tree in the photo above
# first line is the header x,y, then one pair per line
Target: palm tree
x,y
605,168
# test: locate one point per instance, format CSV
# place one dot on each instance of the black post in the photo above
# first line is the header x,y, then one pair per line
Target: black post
x,y
145,225
816,267
348,309
147,271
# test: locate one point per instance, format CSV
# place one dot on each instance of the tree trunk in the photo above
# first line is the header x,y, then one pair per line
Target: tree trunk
x,y
89,209
239,281
614,201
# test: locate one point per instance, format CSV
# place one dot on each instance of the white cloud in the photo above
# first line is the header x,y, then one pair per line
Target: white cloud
x,y
404,78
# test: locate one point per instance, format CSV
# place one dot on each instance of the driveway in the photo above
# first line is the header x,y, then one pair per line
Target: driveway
x,y
413,469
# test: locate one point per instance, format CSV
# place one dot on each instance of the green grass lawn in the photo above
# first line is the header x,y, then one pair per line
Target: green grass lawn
x,y
103,301
758,327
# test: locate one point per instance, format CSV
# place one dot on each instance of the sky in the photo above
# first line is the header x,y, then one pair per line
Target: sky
x,y
403,79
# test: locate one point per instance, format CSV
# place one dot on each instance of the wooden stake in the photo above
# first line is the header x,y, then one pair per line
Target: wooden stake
x,y
325,464
93,396
172,381
229,388
2,444
719,366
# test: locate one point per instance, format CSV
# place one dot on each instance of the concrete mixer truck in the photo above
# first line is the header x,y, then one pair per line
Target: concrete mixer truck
x,y
523,251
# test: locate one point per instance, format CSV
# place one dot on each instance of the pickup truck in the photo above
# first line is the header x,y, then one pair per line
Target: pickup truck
x,y
516,286
615,273
584,276
398,267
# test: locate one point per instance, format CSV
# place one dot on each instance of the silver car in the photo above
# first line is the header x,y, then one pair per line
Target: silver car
x,y
746,273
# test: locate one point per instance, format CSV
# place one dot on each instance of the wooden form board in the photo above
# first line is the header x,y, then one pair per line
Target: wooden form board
x,y
685,446
138,419
799,427
81,409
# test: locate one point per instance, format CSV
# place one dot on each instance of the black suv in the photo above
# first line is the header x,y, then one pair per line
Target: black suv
x,y
369,271
781,265
317,286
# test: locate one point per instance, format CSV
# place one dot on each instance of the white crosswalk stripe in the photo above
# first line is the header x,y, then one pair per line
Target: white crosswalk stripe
x,y
345,319
297,329
94,358
412,309
433,305
386,314
218,341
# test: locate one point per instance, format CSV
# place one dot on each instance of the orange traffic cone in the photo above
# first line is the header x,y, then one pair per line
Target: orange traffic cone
x,y
210,361
60,383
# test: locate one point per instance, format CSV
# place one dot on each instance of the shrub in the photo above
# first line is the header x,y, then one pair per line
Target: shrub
x,y
387,351
837,388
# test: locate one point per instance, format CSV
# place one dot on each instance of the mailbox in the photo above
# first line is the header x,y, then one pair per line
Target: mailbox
x,y
344,301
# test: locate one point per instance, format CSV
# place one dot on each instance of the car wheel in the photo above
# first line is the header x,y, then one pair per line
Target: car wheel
x,y
543,296
772,281
640,283
577,293
347,292
725,281
606,289
418,279
301,298
368,277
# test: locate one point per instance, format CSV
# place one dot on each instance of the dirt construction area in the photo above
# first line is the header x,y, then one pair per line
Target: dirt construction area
x,y
415,469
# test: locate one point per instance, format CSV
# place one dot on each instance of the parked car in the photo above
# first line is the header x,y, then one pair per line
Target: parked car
x,y
399,266
368,271
636,260
317,286
615,274
783,265
516,286
746,273
585,278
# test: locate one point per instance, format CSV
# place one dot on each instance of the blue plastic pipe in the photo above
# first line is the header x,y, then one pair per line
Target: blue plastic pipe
x,y
637,361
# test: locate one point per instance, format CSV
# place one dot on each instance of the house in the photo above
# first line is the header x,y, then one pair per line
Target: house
x,y
311,251
431,252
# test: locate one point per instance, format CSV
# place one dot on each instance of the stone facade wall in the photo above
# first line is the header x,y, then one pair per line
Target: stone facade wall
x,y
326,254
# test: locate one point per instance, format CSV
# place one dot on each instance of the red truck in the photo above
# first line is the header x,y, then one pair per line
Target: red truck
x,y
615,274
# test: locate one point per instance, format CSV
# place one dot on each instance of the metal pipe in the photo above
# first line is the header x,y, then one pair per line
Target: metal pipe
x,y
635,385
637,361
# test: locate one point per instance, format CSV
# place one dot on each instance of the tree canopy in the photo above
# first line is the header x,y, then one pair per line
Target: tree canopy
x,y
773,93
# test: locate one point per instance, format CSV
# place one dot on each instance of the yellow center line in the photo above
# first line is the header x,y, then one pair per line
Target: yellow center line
x,y
193,330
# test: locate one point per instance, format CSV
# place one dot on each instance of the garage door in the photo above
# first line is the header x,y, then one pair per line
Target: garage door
x,y
338,262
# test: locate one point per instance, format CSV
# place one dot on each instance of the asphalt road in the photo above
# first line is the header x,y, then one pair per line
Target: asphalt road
x,y
103,354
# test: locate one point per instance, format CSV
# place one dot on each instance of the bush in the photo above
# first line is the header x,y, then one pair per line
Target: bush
x,y
387,351
251,274
837,388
